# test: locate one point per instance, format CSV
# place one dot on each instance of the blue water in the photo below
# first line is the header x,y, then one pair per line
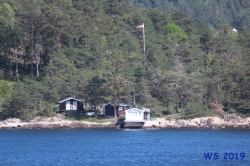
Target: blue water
x,y
123,147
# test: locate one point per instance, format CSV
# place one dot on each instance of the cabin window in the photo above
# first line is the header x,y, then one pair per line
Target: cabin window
x,y
120,108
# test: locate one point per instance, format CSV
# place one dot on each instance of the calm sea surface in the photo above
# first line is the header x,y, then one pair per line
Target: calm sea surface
x,y
124,147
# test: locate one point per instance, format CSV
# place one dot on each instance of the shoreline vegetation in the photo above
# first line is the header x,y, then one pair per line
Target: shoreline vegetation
x,y
226,122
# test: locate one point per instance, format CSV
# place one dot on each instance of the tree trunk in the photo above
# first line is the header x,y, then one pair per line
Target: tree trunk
x,y
40,63
37,65
11,73
115,99
31,67
24,60
32,52
115,112
5,57
16,64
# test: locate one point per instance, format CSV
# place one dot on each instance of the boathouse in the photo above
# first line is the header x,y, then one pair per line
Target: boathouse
x,y
110,109
70,104
135,117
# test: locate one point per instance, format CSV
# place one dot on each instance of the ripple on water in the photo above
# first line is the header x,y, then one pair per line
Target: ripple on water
x,y
121,147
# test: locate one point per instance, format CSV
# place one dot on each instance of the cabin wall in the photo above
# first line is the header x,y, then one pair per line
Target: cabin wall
x,y
121,113
146,115
63,106
134,116
79,106
70,113
122,109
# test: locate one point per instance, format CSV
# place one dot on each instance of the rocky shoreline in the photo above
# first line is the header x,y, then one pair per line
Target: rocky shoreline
x,y
228,121
52,123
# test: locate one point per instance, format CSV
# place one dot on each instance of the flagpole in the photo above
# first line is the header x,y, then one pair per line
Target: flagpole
x,y
144,44
143,31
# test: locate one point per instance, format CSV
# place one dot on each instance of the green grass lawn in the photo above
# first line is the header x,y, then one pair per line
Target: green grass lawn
x,y
92,119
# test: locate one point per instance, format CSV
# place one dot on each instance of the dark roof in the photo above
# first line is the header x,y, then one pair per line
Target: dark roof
x,y
69,98
120,104
109,103
125,104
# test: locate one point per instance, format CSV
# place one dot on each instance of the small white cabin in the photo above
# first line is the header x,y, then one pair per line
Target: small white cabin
x,y
136,115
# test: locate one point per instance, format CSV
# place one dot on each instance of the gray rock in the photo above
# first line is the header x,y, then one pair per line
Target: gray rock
x,y
12,120
76,125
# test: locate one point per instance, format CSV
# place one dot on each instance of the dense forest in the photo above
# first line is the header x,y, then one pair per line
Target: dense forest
x,y
194,64
214,12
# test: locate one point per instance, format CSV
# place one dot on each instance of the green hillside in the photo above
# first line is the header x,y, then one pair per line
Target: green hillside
x,y
93,51
214,12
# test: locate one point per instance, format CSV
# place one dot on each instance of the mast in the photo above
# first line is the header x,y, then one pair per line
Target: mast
x,y
144,44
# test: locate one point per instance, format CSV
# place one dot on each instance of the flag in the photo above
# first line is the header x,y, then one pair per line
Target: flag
x,y
140,26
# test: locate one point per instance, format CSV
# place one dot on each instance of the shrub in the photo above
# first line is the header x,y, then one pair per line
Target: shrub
x,y
194,110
